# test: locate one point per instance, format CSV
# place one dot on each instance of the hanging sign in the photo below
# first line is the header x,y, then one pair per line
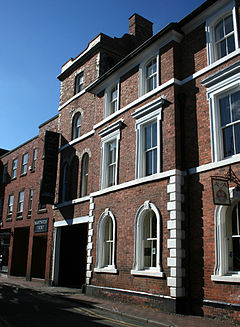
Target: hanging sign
x,y
220,191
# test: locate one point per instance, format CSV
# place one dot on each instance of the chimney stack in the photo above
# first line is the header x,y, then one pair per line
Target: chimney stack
x,y
140,27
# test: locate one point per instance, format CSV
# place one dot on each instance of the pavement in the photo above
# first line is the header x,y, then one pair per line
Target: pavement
x,y
141,313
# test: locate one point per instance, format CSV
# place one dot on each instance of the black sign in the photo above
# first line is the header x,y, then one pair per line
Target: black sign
x,y
41,225
48,183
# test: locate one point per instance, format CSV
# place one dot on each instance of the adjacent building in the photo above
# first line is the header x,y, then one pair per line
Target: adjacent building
x,y
147,195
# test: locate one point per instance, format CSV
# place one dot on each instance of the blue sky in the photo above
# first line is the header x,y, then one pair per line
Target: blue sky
x,y
38,37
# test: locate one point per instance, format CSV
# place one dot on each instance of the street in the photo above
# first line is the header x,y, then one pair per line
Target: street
x,y
24,307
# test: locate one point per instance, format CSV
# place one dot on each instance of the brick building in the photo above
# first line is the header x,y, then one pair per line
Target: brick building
x,y
146,121
25,223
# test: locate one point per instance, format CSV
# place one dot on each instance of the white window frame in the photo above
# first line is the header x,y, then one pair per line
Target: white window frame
x,y
219,84
142,74
34,161
30,201
84,174
24,164
20,203
100,267
10,206
110,134
79,82
221,273
108,100
138,267
210,31
76,129
146,115
14,168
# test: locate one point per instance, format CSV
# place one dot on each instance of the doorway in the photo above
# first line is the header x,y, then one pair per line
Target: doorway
x,y
20,251
39,256
73,255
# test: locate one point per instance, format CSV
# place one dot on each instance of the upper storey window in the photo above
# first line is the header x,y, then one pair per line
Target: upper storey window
x,y
24,164
112,100
79,80
229,105
222,39
14,169
151,75
76,125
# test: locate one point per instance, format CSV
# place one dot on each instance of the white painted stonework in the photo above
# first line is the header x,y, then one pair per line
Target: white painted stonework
x,y
176,234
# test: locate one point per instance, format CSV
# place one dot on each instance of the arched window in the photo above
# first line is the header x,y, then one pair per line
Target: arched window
x,y
64,184
147,242
76,126
105,261
84,174
227,243
74,171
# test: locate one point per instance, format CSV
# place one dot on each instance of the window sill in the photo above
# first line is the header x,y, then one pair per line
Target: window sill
x,y
107,270
226,278
42,211
8,219
13,178
151,273
23,174
19,217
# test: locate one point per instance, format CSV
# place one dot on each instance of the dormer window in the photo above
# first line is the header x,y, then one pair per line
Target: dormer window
x,y
79,83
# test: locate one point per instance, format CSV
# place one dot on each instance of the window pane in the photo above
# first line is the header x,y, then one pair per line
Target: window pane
x,y
147,137
154,253
236,253
225,110
228,24
237,138
228,145
149,163
235,221
154,134
147,254
154,226
230,44
154,161
235,102
219,31
146,226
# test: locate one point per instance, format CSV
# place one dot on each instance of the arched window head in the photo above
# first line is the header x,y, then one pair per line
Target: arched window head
x,y
105,261
147,242
76,126
84,175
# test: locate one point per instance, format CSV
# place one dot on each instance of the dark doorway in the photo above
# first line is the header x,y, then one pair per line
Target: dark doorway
x,y
20,251
73,255
39,256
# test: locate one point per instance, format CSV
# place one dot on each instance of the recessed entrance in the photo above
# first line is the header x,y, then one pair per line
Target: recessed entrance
x,y
20,251
39,256
73,255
